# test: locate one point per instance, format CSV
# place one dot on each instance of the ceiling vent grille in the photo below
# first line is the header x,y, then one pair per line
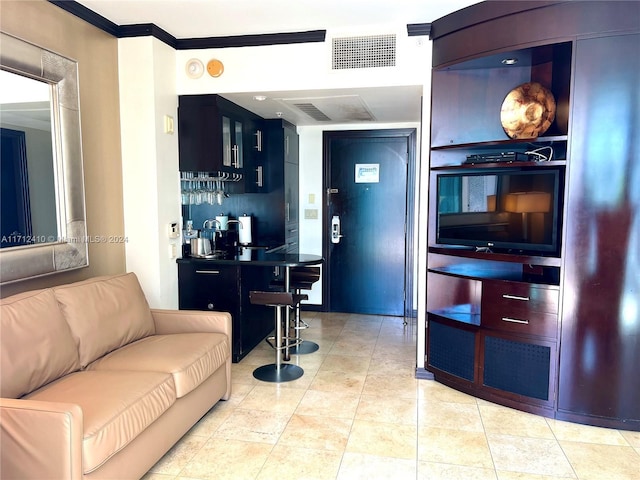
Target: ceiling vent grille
x,y
364,52
313,111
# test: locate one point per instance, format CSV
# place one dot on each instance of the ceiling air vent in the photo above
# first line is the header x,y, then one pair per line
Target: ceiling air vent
x,y
364,52
313,111
333,108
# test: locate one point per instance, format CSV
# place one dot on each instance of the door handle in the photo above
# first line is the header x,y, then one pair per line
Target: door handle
x,y
335,229
258,145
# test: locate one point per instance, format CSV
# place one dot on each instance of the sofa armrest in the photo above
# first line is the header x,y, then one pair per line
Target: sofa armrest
x,y
40,440
190,321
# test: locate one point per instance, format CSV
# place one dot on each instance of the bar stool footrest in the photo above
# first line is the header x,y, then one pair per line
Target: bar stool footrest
x,y
286,372
302,325
293,342
304,348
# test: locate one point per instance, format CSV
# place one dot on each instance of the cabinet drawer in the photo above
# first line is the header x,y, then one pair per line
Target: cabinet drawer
x,y
519,320
507,296
208,287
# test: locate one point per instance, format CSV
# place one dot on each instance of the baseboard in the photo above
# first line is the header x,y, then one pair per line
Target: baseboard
x,y
311,307
422,374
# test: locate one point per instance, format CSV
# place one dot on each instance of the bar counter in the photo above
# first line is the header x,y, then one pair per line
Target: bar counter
x,y
223,282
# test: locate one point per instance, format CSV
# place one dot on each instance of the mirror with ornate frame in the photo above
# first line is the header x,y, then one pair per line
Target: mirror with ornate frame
x,y
64,246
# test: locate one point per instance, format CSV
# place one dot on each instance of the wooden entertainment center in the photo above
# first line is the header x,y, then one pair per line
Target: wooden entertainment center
x,y
556,334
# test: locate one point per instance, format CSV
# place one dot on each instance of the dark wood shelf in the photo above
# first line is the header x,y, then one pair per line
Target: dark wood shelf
x,y
463,313
477,272
498,257
493,165
501,143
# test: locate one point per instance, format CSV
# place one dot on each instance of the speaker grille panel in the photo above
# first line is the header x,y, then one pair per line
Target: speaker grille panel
x,y
452,350
517,367
364,52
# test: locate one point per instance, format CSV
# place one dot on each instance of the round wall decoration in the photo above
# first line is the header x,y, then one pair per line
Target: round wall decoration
x,y
215,67
527,111
194,68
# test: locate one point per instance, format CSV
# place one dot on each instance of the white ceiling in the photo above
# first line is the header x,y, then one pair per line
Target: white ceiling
x,y
186,19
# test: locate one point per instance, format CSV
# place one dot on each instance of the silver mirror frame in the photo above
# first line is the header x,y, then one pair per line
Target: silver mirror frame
x,y
70,249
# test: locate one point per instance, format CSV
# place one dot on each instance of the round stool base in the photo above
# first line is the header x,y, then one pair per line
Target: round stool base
x,y
271,373
305,347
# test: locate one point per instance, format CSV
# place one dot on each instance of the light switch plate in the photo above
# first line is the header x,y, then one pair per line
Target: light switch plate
x,y
311,213
168,124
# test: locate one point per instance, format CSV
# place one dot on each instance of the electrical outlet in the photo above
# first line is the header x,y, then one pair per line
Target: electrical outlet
x,y
311,213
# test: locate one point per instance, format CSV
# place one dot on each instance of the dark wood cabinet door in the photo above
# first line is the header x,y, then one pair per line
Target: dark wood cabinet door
x,y
257,320
215,135
291,207
600,349
282,175
199,134
255,179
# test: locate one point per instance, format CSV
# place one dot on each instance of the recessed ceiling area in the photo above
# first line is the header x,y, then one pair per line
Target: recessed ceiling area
x,y
362,105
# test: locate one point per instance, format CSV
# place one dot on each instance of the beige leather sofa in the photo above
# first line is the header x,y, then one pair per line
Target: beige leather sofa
x,y
95,384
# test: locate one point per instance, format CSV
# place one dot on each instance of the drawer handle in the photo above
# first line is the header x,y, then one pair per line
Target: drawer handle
x,y
515,320
515,297
209,272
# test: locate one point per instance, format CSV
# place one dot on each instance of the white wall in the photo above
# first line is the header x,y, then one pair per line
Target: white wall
x,y
150,165
304,66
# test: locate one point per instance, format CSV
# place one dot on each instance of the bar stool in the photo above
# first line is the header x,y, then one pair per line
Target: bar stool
x,y
278,372
301,278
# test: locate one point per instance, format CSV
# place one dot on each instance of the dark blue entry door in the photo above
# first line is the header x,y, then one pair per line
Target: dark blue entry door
x,y
367,192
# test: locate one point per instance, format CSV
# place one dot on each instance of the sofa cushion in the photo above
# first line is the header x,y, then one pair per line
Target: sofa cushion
x,y
190,357
116,407
37,345
105,313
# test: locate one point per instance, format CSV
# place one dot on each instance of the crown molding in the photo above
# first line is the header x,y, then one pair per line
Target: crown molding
x,y
418,29
145,30
252,40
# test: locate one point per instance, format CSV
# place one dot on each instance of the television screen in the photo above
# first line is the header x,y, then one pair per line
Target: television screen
x,y
503,210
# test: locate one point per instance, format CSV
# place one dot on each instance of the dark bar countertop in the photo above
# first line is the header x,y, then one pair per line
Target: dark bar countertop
x,y
259,257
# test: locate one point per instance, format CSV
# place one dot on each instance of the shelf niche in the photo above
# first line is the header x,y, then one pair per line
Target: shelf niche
x,y
471,95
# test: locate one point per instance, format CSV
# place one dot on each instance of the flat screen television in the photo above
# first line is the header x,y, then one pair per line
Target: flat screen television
x,y
503,210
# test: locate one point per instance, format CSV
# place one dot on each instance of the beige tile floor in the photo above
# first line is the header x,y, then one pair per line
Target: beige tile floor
x,y
359,413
